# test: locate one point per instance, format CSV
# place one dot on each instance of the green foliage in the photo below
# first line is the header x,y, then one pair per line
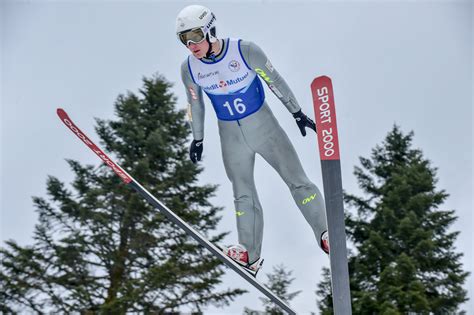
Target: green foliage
x,y
279,282
99,247
324,292
405,259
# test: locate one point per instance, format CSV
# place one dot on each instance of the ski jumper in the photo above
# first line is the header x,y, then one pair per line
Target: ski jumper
x,y
247,126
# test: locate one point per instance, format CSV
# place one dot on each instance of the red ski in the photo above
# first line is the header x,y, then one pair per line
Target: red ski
x,y
325,112
127,179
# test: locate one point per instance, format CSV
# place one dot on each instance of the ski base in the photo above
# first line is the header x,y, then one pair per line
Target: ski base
x,y
328,141
130,181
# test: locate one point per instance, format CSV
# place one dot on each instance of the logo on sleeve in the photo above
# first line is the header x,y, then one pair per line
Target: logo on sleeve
x,y
269,65
275,90
262,74
193,93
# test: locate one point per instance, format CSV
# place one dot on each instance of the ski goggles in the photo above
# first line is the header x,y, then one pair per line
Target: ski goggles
x,y
195,35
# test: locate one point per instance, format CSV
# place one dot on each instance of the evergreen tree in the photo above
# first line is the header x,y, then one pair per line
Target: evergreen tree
x,y
279,282
405,257
324,292
98,246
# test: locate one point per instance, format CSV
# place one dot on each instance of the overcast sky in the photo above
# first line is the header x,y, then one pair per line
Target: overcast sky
x,y
403,62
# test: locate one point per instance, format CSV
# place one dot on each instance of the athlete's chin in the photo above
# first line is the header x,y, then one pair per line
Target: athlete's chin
x,y
198,55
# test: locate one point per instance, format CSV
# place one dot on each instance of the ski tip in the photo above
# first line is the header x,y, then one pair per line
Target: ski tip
x,y
320,79
61,113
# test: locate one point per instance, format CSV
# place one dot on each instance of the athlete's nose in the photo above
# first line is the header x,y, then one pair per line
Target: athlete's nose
x,y
193,47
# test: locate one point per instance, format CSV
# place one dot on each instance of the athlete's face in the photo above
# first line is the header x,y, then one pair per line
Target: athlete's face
x,y
199,50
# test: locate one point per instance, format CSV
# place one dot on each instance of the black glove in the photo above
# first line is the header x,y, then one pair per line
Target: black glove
x,y
195,151
304,121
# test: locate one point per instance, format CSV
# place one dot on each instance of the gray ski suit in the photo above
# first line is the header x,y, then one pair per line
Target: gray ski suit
x,y
249,129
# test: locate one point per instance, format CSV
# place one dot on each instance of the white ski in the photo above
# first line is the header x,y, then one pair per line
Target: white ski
x,y
127,179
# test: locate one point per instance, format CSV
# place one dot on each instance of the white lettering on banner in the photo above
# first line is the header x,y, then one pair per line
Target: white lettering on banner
x,y
325,115
96,150
328,140
324,107
77,132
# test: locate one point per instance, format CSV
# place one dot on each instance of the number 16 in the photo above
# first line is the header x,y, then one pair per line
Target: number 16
x,y
238,105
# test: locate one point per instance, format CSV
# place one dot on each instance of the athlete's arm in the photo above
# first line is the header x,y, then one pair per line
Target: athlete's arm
x,y
258,61
195,102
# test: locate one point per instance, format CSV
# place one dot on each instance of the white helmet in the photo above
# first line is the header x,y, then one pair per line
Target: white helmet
x,y
196,23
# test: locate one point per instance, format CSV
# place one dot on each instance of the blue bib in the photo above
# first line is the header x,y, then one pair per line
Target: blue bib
x,y
232,86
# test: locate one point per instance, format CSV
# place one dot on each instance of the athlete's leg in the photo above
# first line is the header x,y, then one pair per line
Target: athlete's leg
x,y
275,147
239,161
281,155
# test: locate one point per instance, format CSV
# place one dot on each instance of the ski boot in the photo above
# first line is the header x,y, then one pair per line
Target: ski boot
x,y
325,242
241,256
